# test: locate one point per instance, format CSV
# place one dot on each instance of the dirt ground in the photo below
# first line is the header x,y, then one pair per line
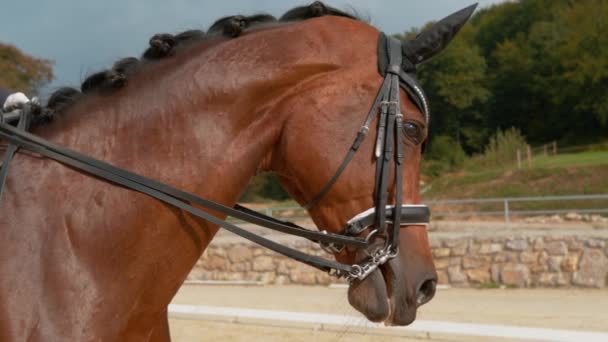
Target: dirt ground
x,y
573,309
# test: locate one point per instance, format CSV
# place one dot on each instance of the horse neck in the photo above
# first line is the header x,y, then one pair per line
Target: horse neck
x,y
203,123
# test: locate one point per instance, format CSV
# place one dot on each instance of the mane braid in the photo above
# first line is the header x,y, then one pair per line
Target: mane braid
x,y
161,45
59,101
103,81
314,10
190,36
233,26
126,66
165,45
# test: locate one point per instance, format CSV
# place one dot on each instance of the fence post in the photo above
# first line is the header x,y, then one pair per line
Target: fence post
x,y
545,150
269,212
518,159
506,203
554,147
529,155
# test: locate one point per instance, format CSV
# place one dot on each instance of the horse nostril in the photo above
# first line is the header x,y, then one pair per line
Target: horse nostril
x,y
426,291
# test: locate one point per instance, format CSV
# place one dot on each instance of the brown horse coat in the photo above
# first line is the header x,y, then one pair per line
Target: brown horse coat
x,y
84,260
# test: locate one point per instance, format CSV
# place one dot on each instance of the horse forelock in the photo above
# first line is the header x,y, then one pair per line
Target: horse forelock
x,y
164,45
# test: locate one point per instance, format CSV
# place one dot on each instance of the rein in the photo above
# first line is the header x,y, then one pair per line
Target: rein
x,y
388,148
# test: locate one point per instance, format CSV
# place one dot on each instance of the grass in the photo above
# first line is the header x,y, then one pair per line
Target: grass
x,y
565,174
590,158
489,285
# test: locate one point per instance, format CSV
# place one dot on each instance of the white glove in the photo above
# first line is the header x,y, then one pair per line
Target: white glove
x,y
15,100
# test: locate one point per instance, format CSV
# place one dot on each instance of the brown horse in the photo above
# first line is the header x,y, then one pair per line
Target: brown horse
x,y
82,259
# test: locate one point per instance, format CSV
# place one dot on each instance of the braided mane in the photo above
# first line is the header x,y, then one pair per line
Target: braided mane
x,y
166,45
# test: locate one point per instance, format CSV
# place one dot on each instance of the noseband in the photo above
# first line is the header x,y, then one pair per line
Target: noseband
x,y
388,148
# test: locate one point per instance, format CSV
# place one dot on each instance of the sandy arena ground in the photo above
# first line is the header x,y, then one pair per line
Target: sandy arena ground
x,y
572,309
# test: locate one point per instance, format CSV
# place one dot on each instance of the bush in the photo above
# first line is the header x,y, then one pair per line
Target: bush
x,y
446,150
503,146
434,168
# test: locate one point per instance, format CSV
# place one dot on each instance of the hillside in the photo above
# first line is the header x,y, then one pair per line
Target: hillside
x,y
566,174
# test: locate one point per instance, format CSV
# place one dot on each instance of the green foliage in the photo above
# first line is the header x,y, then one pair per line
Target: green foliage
x,y
454,83
503,146
490,285
567,175
538,65
264,186
572,159
443,154
21,72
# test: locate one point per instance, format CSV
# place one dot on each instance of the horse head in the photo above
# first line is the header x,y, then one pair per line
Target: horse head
x,y
330,111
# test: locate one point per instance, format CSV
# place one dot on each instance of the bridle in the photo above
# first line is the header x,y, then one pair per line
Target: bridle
x,y
388,147
397,74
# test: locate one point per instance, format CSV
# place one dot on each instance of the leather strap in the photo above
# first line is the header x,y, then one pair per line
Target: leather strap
x,y
22,124
390,61
388,147
390,108
410,214
407,77
361,134
265,221
65,156
388,144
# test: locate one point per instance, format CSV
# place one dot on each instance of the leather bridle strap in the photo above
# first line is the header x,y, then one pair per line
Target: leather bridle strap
x,y
388,135
395,59
361,134
81,162
389,63
238,212
387,139
11,149
410,214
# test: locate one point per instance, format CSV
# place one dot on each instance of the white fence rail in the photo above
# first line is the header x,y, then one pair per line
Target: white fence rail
x,y
440,208
340,323
507,212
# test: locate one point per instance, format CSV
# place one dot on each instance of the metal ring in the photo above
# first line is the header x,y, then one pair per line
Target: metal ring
x,y
369,236
355,272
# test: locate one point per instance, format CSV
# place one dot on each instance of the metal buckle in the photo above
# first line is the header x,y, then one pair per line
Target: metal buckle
x,y
388,103
380,257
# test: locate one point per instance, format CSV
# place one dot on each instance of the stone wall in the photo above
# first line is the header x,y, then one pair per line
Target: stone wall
x,y
518,261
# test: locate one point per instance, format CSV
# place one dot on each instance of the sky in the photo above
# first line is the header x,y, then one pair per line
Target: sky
x,y
83,36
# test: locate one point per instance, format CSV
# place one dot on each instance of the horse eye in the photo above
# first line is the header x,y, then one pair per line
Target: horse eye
x,y
412,131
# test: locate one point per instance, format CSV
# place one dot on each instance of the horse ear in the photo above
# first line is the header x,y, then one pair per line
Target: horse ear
x,y
434,39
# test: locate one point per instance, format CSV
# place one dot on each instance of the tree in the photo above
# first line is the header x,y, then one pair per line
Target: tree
x,y
549,76
580,54
22,72
538,65
454,83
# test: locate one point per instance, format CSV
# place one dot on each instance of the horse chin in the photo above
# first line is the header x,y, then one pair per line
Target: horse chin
x,y
381,297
